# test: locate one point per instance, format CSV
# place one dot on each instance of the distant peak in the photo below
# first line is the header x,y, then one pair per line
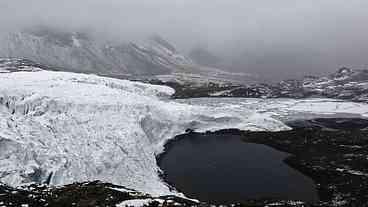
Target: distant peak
x,y
58,36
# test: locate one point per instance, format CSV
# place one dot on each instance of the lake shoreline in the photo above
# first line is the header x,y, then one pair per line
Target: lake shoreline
x,y
317,149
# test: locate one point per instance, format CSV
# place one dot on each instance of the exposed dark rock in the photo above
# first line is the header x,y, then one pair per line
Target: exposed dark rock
x,y
92,194
89,194
345,84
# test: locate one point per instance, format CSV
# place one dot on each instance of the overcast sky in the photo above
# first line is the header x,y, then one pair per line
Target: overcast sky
x,y
262,36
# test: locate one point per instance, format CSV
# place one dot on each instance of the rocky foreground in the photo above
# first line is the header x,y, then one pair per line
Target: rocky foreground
x,y
92,194
84,194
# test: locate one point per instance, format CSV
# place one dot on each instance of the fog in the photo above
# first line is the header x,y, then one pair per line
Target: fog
x,y
275,39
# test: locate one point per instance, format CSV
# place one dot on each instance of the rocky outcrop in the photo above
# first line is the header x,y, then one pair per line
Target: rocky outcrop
x,y
345,84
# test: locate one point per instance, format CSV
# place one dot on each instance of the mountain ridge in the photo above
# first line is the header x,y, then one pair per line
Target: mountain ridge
x,y
345,84
81,52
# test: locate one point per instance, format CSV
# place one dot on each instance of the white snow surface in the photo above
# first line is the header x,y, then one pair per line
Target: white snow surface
x,y
135,203
79,127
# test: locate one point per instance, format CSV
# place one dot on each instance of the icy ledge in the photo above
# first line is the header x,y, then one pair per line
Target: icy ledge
x,y
60,128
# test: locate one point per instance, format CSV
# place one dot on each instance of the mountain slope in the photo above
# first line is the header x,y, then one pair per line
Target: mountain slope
x,y
80,52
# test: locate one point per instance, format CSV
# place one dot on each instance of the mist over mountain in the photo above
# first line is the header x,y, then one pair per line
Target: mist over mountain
x,y
82,52
275,40
204,57
79,51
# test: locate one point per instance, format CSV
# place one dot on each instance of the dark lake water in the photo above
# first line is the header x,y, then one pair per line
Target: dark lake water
x,y
225,169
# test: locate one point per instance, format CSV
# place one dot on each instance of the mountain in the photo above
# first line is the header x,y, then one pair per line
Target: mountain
x,y
81,52
346,84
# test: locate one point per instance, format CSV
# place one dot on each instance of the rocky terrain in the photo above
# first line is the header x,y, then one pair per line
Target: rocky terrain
x,y
85,194
346,84
96,193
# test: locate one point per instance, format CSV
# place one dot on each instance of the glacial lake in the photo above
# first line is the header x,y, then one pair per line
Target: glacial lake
x,y
225,169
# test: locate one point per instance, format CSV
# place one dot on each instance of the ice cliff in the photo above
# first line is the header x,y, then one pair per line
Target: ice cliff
x,y
59,127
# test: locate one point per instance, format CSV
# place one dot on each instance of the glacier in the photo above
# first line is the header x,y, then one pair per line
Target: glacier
x,y
61,127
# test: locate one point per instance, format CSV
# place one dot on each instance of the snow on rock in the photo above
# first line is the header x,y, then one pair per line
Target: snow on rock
x,y
281,109
60,128
135,203
326,106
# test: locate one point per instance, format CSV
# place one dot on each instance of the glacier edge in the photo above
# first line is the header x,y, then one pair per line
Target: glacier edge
x,y
63,127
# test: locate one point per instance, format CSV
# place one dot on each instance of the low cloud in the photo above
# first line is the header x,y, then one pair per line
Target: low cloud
x,y
262,36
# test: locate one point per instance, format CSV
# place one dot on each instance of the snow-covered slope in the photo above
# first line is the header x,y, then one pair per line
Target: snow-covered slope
x,y
59,127
80,53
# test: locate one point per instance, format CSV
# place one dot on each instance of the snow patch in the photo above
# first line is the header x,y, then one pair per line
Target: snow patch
x,y
135,203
